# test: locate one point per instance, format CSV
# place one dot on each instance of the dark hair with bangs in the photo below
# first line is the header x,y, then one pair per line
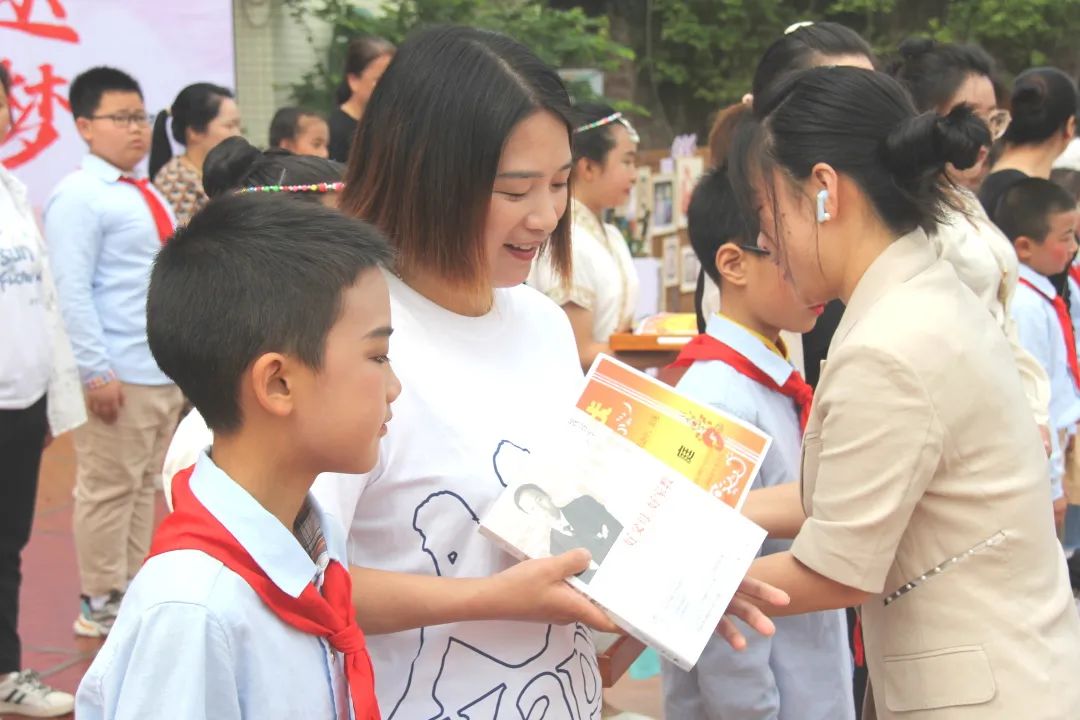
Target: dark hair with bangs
x,y
251,274
863,124
427,149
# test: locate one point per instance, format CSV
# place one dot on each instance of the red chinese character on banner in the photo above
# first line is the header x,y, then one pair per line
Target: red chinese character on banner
x,y
32,115
24,20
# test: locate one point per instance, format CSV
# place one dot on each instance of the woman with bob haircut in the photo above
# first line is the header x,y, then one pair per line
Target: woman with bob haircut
x,y
463,160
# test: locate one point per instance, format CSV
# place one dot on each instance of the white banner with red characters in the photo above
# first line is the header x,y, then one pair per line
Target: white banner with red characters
x,y
46,43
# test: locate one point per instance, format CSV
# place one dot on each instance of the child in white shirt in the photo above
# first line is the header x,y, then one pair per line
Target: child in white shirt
x,y
1039,218
274,319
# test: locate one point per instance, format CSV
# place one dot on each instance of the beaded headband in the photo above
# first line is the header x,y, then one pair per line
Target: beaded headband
x,y
313,187
613,118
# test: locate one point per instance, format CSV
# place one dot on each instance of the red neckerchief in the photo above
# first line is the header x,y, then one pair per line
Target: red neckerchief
x,y
162,221
706,347
1062,312
328,614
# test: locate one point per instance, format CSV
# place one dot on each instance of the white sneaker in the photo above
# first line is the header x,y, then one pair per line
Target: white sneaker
x,y
24,694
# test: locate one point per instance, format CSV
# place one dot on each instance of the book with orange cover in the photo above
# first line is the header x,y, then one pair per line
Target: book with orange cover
x,y
650,483
665,323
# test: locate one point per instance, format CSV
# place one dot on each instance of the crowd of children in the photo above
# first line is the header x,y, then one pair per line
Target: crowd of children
x,y
321,557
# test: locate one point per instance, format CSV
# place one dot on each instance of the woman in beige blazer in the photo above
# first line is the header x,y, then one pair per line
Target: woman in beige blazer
x,y
924,496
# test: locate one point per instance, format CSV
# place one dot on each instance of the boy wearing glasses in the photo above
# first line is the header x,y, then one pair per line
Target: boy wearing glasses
x,y
740,365
104,227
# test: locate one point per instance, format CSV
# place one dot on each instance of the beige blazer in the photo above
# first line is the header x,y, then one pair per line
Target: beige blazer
x,y
925,484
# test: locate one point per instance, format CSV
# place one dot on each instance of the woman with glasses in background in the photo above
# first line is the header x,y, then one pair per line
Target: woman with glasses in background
x,y
939,77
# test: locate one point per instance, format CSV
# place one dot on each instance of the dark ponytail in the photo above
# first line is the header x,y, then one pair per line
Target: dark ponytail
x,y
235,163
194,109
863,124
160,148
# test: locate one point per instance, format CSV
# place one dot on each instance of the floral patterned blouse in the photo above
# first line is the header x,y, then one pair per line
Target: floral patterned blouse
x,y
181,184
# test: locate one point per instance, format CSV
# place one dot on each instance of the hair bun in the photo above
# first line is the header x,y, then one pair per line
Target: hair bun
x,y
1029,98
228,164
920,146
913,47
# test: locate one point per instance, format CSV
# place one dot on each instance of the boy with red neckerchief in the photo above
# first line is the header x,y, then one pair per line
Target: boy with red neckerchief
x,y
1039,218
274,319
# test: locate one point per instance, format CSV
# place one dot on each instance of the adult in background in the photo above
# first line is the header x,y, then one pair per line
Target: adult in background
x,y
940,77
1043,124
40,398
365,62
202,116
924,498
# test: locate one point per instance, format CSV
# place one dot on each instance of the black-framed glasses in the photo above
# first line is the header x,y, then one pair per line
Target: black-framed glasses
x,y
754,249
125,120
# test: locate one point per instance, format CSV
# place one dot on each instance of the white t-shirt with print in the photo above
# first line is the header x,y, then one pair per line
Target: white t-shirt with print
x,y
476,392
25,346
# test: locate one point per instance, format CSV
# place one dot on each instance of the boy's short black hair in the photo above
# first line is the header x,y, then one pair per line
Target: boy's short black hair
x,y
251,274
87,89
713,218
5,81
1025,208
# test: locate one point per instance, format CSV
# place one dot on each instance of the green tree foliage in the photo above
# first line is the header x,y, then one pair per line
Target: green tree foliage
x,y
562,37
703,52
674,62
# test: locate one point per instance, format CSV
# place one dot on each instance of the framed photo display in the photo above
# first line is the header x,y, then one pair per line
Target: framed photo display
x,y
689,268
664,218
669,272
688,171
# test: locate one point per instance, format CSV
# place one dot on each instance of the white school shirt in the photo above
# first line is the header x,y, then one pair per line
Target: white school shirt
x,y
476,393
1041,334
985,261
804,671
193,641
604,280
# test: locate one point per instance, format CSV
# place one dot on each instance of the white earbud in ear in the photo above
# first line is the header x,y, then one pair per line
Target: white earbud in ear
x,y
822,214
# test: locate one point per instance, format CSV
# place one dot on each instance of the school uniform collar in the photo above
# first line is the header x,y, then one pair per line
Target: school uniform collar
x,y
273,546
102,169
750,345
586,219
1041,282
905,258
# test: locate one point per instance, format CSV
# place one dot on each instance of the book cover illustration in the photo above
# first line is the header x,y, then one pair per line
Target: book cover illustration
x,y
666,557
720,453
